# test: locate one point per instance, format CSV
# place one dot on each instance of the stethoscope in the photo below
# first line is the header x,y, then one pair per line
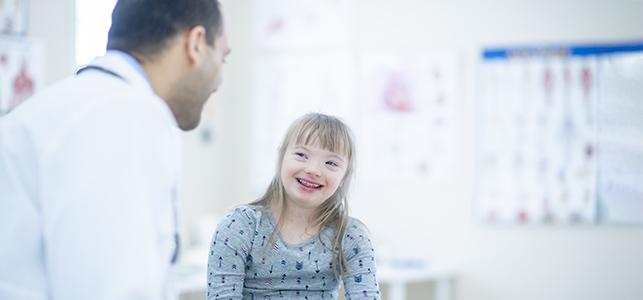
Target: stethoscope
x,y
175,256
84,68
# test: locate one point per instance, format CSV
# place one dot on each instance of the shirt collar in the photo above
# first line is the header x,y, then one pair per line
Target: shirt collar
x,y
132,61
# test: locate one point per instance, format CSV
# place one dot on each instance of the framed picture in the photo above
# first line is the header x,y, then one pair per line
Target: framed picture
x,y
14,17
22,71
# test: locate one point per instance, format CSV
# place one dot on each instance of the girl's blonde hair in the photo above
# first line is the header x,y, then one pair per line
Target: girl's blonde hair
x,y
333,135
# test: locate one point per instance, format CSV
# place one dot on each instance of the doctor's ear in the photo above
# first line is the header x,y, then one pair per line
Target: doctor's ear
x,y
196,45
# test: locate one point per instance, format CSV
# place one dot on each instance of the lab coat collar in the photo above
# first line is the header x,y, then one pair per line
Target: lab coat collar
x,y
116,63
132,62
119,65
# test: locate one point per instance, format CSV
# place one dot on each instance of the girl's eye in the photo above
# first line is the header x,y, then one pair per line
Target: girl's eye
x,y
331,163
300,154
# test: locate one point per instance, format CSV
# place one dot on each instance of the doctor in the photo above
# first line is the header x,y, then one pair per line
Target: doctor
x,y
89,166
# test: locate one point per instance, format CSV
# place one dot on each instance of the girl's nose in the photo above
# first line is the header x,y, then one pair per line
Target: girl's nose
x,y
313,169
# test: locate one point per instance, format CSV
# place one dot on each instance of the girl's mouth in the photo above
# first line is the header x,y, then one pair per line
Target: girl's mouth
x,y
308,184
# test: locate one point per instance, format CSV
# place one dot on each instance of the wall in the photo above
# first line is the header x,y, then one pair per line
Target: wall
x,y
54,23
564,262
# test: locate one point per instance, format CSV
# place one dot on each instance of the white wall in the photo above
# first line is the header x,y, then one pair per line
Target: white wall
x,y
493,263
54,23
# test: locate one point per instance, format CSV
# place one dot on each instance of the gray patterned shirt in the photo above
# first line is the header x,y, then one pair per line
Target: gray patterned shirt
x,y
237,269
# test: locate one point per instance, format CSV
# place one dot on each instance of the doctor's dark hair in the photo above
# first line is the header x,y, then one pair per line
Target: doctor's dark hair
x,y
335,136
145,27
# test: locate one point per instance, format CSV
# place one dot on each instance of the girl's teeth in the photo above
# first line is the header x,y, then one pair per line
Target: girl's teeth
x,y
308,184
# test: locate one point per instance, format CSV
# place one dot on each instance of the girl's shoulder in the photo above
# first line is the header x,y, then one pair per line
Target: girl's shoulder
x,y
356,239
356,230
251,213
356,224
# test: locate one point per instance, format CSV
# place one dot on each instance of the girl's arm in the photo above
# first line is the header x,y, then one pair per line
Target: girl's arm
x,y
228,256
361,282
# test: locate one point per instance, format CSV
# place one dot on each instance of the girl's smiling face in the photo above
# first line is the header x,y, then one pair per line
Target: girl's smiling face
x,y
311,174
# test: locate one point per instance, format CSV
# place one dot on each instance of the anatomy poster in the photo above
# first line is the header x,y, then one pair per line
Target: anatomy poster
x,y
537,134
13,17
21,71
409,108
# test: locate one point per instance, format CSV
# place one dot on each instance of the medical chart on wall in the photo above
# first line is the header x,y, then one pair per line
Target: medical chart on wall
x,y
538,134
13,17
21,71
408,109
295,24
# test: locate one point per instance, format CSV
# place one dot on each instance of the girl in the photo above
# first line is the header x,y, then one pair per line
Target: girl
x,y
297,241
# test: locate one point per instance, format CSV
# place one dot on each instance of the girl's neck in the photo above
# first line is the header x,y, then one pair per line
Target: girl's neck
x,y
292,214
296,226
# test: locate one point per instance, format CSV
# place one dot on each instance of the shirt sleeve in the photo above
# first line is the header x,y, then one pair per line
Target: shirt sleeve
x,y
230,253
108,217
361,282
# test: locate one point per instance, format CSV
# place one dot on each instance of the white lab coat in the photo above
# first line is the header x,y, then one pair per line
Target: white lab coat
x,y
88,181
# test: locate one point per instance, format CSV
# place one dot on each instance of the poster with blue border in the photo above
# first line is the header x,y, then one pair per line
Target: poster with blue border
x,y
560,135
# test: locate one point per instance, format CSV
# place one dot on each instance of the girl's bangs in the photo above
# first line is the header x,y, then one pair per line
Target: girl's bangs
x,y
330,135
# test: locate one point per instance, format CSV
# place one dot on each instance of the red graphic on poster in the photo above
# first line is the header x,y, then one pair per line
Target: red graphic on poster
x,y
437,75
587,81
276,26
22,87
396,94
440,99
492,216
548,83
589,151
